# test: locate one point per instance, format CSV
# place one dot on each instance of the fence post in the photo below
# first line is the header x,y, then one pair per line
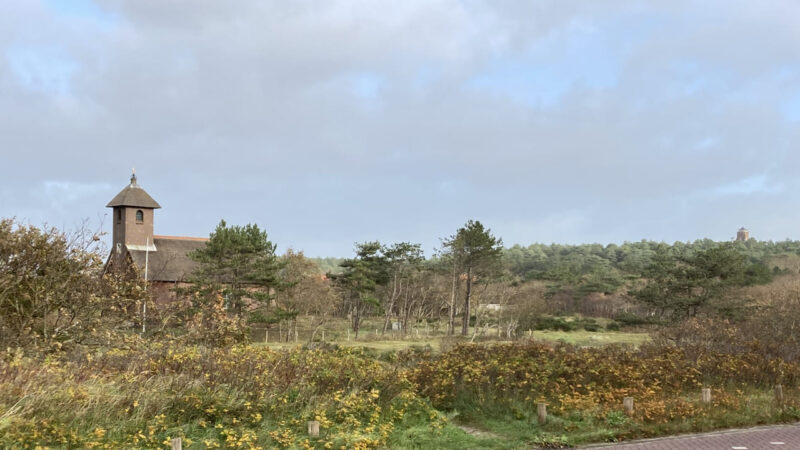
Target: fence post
x,y
266,335
313,428
627,405
541,413
779,394
706,395
176,444
323,335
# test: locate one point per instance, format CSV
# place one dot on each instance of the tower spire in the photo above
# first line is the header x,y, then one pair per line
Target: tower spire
x,y
133,177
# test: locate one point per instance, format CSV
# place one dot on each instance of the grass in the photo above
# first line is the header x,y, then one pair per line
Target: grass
x,y
336,333
592,339
581,338
422,436
516,426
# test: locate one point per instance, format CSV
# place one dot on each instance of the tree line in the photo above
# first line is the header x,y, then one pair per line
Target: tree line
x,y
52,291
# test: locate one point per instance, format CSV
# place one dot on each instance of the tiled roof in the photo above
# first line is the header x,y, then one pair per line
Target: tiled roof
x,y
170,261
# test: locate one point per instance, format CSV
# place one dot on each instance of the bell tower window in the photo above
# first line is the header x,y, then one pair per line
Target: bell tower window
x,y
139,216
119,215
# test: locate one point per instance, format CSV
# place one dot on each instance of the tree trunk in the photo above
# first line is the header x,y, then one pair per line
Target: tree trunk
x,y
406,312
452,319
391,302
465,321
356,319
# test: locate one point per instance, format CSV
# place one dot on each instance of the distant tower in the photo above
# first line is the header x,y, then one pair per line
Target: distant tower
x,y
743,234
133,219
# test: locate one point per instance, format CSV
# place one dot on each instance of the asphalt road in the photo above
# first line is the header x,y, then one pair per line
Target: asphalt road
x,y
778,437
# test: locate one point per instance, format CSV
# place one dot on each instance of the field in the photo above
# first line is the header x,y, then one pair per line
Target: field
x,y
336,333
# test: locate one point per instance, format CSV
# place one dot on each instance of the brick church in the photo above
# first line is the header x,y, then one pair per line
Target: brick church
x,y
161,260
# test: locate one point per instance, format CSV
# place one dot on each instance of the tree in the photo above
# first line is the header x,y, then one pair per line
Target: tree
x,y
680,286
477,253
238,263
360,278
304,290
53,292
403,260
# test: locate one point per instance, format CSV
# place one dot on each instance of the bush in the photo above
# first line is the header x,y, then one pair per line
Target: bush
x,y
631,319
141,396
54,295
554,323
595,380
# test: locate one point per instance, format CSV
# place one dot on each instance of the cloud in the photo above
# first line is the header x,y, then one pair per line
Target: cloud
x,y
755,184
334,122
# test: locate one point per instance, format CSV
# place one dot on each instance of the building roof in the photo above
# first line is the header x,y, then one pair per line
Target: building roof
x,y
133,195
170,260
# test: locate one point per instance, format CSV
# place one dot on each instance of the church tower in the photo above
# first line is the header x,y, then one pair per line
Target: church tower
x,y
133,220
743,234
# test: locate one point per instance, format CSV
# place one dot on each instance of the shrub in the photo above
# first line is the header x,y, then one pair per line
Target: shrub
x,y
53,294
236,397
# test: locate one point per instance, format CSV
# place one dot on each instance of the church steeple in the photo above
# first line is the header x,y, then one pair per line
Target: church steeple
x,y
132,218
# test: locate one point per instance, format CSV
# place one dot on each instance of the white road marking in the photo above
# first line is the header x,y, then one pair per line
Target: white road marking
x,y
778,443
739,448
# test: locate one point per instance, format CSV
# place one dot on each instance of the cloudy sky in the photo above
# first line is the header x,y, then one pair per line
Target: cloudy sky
x,y
331,122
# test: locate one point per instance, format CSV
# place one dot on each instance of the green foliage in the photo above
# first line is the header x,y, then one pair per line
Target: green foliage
x,y
475,249
360,278
476,253
328,265
239,262
562,324
681,286
569,262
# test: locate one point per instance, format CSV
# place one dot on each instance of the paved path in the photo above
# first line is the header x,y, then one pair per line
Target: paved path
x,y
777,437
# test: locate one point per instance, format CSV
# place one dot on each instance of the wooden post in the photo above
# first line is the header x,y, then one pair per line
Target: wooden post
x,y
176,444
706,395
541,413
313,428
323,335
266,335
348,334
779,394
627,405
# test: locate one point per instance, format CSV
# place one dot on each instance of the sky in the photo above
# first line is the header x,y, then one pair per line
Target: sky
x,y
334,122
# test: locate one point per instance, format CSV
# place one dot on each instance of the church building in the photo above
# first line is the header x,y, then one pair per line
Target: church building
x,y
161,260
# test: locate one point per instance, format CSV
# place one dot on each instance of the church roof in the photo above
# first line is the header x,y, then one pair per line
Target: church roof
x,y
170,260
133,195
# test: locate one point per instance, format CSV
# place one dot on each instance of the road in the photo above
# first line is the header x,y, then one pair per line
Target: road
x,y
775,437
